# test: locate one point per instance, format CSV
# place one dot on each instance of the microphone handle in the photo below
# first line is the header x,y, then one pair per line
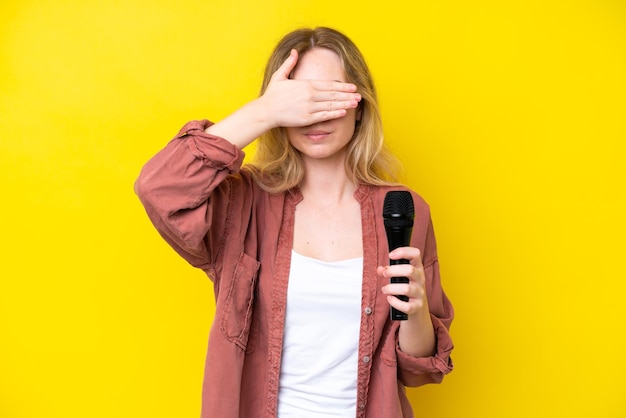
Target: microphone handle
x,y
397,315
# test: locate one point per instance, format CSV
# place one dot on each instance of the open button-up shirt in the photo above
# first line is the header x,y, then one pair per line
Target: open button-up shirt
x,y
211,211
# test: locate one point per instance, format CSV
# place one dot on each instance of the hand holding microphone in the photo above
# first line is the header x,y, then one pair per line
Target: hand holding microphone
x,y
398,214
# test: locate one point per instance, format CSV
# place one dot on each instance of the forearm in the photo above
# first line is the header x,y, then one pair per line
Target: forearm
x,y
417,335
244,125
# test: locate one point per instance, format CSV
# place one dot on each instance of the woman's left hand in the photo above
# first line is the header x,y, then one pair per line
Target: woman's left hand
x,y
415,290
416,336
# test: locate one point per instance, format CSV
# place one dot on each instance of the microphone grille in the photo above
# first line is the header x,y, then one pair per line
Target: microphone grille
x,y
398,209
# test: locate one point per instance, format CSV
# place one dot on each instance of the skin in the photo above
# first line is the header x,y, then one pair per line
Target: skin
x,y
287,103
416,335
318,109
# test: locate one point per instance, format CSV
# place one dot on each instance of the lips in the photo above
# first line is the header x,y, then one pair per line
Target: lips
x,y
316,135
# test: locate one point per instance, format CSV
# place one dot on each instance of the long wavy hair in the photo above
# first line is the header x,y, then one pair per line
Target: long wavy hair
x,y
277,165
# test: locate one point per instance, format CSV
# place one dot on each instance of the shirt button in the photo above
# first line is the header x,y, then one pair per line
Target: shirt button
x,y
362,406
366,359
368,311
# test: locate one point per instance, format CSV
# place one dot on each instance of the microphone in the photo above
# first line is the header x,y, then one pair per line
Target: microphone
x,y
398,214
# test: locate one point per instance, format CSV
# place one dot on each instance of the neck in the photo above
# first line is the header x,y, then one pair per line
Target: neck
x,y
327,181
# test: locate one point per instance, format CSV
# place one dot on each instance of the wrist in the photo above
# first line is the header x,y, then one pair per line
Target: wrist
x,y
262,114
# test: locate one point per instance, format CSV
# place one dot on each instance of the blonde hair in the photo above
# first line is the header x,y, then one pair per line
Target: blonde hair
x,y
277,166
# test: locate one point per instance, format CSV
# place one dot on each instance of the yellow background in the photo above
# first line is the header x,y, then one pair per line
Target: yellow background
x,y
509,117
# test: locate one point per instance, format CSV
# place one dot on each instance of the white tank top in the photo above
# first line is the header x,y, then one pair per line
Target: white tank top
x,y
318,377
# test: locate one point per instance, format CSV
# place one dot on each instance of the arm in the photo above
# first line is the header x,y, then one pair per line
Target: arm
x,y
175,184
424,343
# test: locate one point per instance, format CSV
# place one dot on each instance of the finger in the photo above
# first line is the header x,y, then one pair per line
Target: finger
x,y
325,115
287,66
330,85
329,106
408,307
416,295
401,270
399,304
335,96
408,253
403,289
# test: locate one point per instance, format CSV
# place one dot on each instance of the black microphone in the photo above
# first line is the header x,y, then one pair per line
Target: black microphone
x,y
398,213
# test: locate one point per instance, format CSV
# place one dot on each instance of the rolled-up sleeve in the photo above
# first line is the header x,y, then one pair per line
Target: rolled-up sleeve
x,y
176,184
416,371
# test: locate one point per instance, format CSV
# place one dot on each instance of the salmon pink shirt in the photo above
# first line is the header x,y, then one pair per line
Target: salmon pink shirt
x,y
211,211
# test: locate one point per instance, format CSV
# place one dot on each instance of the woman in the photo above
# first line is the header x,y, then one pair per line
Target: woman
x,y
296,247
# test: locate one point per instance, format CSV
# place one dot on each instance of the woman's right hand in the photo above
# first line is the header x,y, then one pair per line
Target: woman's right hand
x,y
287,103
292,103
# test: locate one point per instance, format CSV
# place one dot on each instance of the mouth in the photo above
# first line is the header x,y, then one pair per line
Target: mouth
x,y
316,135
